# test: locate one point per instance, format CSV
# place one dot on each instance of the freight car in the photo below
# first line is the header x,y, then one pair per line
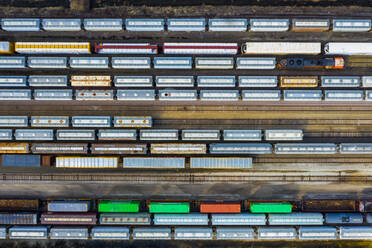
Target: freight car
x,y
13,81
47,81
87,162
50,121
103,24
189,219
131,62
298,218
237,25
110,233
52,47
28,232
52,95
283,134
178,148
118,206
174,81
34,134
188,134
348,48
220,163
310,25
242,135
317,233
135,95
159,134
256,63
222,207
235,233
153,233
133,121
343,95
177,95
125,219
269,25
326,63
219,95
240,148
214,63
355,148
13,24
340,81
77,134
91,121
306,148
89,62
200,48
172,62
191,233
133,81
94,95
154,162
216,81
258,81
118,148
242,219
351,25
59,148
114,134
261,95
61,24
192,24
144,24
14,62
298,81
276,233
47,62
303,95
125,48
281,48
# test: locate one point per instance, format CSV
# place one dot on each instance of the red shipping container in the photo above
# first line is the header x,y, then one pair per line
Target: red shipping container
x,y
220,208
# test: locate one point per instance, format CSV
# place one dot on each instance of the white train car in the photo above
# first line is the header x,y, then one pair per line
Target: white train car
x,y
287,134
174,81
351,25
200,48
117,134
269,25
125,48
281,48
91,121
348,48
256,63
47,81
192,24
230,25
133,81
310,25
131,62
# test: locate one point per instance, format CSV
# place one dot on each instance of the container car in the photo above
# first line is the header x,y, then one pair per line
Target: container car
x,y
19,204
34,134
340,81
240,148
75,134
14,62
356,232
136,95
178,148
13,147
87,162
59,148
219,95
91,121
6,47
276,233
131,62
18,218
144,24
103,24
6,134
192,24
214,63
366,81
281,48
270,207
235,233
317,233
13,121
50,121
68,206
256,63
220,163
52,47
258,81
12,160
15,95
329,205
298,218
344,95
189,134
200,48
61,24
47,81
69,233
232,25
27,232
169,207
284,134
269,25
363,206
243,135
133,81
53,95
94,95
220,207
68,218
242,219
172,62
125,219
348,48
126,48
302,95
108,206
89,62
351,25
159,134
310,25
305,148
118,148
190,233
216,81
117,134
154,162
183,219
13,81
47,62
132,121
152,233
304,63
298,81
110,233
343,218
261,95
174,81
178,95
24,24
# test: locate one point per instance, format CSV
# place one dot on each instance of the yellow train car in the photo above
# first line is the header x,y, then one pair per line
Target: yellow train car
x,y
299,81
52,47
6,47
90,81
14,147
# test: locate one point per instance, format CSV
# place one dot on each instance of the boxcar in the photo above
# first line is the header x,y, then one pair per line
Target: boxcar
x,y
310,25
219,95
75,134
132,121
103,24
24,24
287,81
47,81
89,62
343,218
18,218
174,81
233,25
144,24
14,147
355,232
50,121
189,134
258,81
303,95
242,219
298,218
269,25
13,81
115,134
110,233
68,218
12,62
34,134
61,24
317,232
154,162
91,121
306,148
133,81
256,63
6,47
119,148
278,48
214,63
126,48
94,95
87,162
254,135
138,95
288,134
193,24
178,148
235,233
13,121
172,62
178,95
12,160
28,232
329,205
131,62
6,134
220,163
125,219
348,48
68,233
340,81
351,25
59,148
261,95
191,219
216,81
47,62
240,148
344,95
190,233
276,233
159,134
53,95
152,233
220,207
118,206
52,47
270,207
200,48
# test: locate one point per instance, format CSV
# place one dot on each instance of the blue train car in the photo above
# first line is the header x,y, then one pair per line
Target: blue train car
x,y
91,121
355,232
305,148
317,233
303,95
50,121
193,24
299,218
47,62
69,233
53,95
13,121
344,95
214,63
356,148
61,24
89,62
178,95
117,134
28,232
125,219
2,232
243,135
47,81
13,81
133,81
24,24
191,219
340,81
172,62
110,233
159,134
13,62
256,63
77,134
18,218
216,81
33,134
20,160
235,233
343,218
190,233
132,121
154,162
232,25
15,94
351,25
152,233
261,95
174,81
140,95
103,24
269,25
144,24
131,62
220,163
242,219
6,134
219,95
202,134
68,206
258,81
276,233
369,218
240,148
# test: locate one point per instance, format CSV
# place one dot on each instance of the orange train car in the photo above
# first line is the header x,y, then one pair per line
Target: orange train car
x,y
220,207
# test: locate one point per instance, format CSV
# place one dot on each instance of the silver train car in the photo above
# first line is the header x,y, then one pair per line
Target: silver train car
x,y
140,95
47,62
306,148
47,81
174,81
103,24
15,94
219,95
240,148
192,24
258,81
178,95
261,95
242,135
214,63
200,134
53,94
75,134
133,81
269,25
158,134
172,62
13,81
216,81
61,24
230,25
91,121
115,134
144,24
302,95
256,63
131,62
34,134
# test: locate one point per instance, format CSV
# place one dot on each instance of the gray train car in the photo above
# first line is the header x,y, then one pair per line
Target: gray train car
x,y
189,134
261,95
190,219
13,121
13,81
242,135
284,134
220,163
69,233
340,81
89,62
138,95
20,24
50,121
61,24
47,62
159,134
190,24
356,232
256,63
178,148
268,25
154,162
219,95
178,95
91,121
117,134
47,81
229,25
34,134
52,95
216,81
172,62
240,148
75,134
13,62
306,148
191,233
241,219
110,233
302,95
276,233
174,81
356,148
118,148
235,233
144,24
296,219
94,95
317,233
133,81
103,24
131,62
258,81
28,232
59,148
344,95
351,25
12,95
214,63
152,233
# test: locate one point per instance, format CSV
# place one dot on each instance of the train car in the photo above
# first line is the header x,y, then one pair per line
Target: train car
x,y
261,95
50,121
305,148
47,81
94,95
18,218
310,25
368,95
152,233
256,63
133,81
154,162
118,148
343,218
200,48
366,81
348,48
110,233
276,233
216,81
34,134
242,135
68,233
220,163
107,206
296,219
329,205
159,134
75,134
189,134
144,24
61,24
27,232
298,81
240,148
23,24
15,95
178,148
87,162
47,62
125,48
178,95
59,148
13,81
351,25
6,47
279,48
214,63
103,24
136,95
300,63
91,121
234,233
258,81
183,219
52,47
219,95
131,62
191,233
317,233
19,204
132,121
231,25
125,219
344,95
68,218
284,134
89,62
13,147
369,218
363,206
220,207
13,121
302,95
14,62
11,160
192,24
269,25
270,207
340,81
172,62
174,81
68,206
53,95
115,134
241,219
90,81
356,232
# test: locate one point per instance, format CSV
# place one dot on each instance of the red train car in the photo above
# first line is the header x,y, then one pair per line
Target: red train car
x,y
220,207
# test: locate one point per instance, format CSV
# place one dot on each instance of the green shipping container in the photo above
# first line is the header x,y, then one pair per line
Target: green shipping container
x,y
118,206
169,207
270,207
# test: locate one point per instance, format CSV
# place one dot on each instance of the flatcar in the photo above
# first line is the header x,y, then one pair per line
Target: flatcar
x,y
172,62
298,81
305,148
343,218
154,162
240,148
192,24
140,95
14,62
75,134
49,121
94,95
235,233
220,163
242,135
110,233
47,81
340,81
6,47
13,121
232,25
159,134
367,81
90,81
216,81
261,95
191,233
52,47
279,48
276,233
34,134
144,24
188,219
16,147
241,219
131,62
298,218
299,63
289,134
87,162
69,233
200,48
28,232
303,95
178,148
13,81
6,134
214,63
356,148
317,233
114,24
59,148
152,233
15,94
269,25
61,24
348,48
68,206
19,218
178,95
89,62
355,232
24,24
174,81
125,219
52,94
133,81
310,25
132,121
189,134
91,121
258,81
118,148
125,48
219,95
256,63
117,134
344,95
351,25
